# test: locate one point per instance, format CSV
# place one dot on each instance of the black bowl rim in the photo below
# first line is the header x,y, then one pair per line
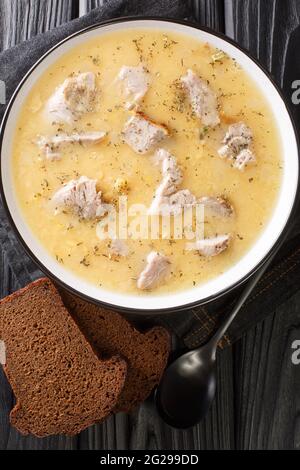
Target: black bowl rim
x,y
133,310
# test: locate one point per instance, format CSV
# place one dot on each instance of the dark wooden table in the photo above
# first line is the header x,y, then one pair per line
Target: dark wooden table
x,y
258,401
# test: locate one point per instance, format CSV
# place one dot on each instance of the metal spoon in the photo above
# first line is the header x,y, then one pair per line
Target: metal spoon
x,y
188,385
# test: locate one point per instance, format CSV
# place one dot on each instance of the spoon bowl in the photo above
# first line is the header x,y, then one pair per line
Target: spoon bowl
x,y
187,389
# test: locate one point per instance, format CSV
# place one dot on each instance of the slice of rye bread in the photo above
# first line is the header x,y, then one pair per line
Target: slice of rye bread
x,y
60,384
109,333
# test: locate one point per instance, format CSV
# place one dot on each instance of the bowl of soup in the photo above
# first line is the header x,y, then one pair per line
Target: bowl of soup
x,y
148,165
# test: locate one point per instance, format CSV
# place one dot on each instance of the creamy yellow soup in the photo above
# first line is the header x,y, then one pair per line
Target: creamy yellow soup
x,y
74,242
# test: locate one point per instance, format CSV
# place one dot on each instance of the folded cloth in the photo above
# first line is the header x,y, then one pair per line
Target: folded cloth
x,y
195,326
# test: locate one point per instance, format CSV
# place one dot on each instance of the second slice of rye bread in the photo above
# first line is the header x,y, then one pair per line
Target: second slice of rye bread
x,y
109,333
60,384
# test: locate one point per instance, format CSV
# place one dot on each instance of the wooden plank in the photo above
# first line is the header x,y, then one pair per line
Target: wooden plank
x,y
228,18
264,28
268,401
209,13
20,20
85,6
266,382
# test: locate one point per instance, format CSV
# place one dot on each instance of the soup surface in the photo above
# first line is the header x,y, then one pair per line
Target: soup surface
x,y
119,170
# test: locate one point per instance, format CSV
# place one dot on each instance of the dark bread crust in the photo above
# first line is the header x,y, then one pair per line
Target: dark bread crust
x,y
109,333
60,384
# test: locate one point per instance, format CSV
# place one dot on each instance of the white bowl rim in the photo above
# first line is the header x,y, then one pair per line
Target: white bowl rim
x,y
156,302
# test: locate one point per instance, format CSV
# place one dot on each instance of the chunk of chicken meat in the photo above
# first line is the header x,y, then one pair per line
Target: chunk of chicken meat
x,y
180,200
51,146
118,248
243,159
155,272
166,200
203,100
142,134
172,174
81,197
236,142
75,97
217,206
210,246
136,81
171,205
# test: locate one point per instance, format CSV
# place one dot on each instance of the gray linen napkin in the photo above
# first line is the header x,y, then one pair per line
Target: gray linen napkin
x,y
193,326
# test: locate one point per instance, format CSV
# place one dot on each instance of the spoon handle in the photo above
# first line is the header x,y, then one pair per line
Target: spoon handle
x,y
213,342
